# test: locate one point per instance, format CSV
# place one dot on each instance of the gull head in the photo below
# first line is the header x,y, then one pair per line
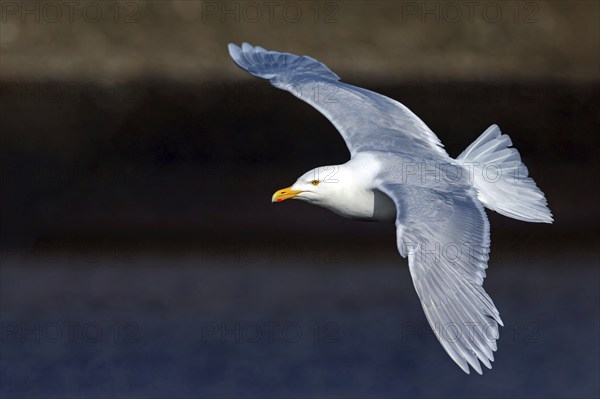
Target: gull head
x,y
344,189
320,186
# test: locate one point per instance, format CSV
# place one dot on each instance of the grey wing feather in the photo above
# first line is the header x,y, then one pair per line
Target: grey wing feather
x,y
367,121
445,235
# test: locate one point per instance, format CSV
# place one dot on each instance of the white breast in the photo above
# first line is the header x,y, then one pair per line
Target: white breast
x,y
353,196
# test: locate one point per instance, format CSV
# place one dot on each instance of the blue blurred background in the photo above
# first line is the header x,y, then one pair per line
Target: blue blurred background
x,y
141,255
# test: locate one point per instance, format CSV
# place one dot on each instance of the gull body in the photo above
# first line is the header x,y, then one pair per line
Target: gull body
x,y
399,172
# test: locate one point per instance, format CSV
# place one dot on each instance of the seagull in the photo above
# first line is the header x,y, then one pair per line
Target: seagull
x,y
399,172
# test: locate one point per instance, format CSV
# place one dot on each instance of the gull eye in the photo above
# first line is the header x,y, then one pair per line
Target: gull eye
x,y
315,182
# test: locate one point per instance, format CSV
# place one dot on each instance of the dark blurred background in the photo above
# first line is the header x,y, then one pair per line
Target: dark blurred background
x,y
141,255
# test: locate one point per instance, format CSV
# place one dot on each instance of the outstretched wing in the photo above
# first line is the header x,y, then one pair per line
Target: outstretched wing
x,y
446,237
366,120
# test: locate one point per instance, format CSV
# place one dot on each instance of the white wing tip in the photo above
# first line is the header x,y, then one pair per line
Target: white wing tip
x,y
273,64
235,52
475,365
233,49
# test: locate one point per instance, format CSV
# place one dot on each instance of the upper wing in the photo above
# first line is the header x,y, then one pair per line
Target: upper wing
x,y
446,238
366,120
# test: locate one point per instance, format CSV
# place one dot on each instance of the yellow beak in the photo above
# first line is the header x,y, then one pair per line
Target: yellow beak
x,y
284,194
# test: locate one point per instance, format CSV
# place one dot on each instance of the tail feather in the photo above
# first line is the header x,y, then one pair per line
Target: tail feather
x,y
502,180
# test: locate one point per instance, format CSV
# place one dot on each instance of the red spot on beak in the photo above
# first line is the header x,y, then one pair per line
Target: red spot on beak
x,y
279,200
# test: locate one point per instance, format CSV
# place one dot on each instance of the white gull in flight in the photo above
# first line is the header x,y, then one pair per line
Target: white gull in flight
x,y
398,171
